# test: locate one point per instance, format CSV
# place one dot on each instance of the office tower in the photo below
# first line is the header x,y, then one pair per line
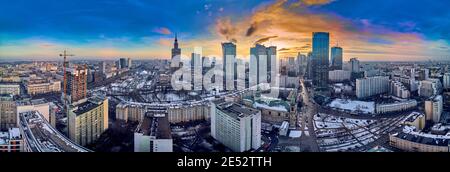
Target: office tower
x,y
153,135
196,71
271,62
102,67
371,86
76,84
446,80
433,108
8,114
336,58
430,87
262,64
301,59
176,54
123,63
229,65
118,65
424,74
236,126
11,141
320,55
129,63
309,66
88,120
354,63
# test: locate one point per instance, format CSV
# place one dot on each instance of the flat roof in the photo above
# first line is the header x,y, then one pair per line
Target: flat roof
x,y
158,127
236,110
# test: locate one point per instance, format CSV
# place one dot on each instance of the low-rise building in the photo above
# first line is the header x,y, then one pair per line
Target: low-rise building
x,y
153,134
395,107
35,87
10,88
188,112
8,115
129,112
415,141
416,119
40,105
11,141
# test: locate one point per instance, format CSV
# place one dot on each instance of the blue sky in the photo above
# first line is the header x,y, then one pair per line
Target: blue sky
x,y
367,29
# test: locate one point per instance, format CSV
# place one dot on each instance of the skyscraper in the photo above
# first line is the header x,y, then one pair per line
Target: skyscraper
x,y
336,58
229,65
102,67
176,54
354,62
320,54
262,64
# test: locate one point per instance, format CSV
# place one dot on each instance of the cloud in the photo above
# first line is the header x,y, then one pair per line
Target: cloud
x,y
162,30
226,29
165,42
251,29
265,39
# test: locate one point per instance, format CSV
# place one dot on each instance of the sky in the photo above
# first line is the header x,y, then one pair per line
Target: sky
x,y
400,30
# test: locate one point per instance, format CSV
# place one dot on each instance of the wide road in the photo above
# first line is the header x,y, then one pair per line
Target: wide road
x,y
309,109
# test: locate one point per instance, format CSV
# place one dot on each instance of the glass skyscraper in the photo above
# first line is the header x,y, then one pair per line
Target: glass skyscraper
x,y
336,58
320,55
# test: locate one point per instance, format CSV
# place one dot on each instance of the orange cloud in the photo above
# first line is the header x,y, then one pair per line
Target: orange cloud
x,y
162,30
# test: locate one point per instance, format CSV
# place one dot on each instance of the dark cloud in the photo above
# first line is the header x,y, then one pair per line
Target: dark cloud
x,y
252,29
265,39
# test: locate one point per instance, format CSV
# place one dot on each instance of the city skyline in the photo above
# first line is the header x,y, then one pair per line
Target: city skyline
x,y
145,30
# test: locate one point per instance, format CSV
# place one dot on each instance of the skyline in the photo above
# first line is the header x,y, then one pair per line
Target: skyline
x,y
145,30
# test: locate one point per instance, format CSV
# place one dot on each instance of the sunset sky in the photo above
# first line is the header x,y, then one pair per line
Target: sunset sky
x,y
108,29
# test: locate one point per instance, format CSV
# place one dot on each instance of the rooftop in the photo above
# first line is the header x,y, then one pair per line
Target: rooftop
x,y
42,137
88,105
236,110
156,125
410,134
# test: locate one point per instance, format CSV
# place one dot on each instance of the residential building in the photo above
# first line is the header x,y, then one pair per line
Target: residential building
x,y
88,120
188,113
339,75
430,87
8,115
35,87
434,108
395,107
130,112
371,86
11,141
236,126
9,88
153,135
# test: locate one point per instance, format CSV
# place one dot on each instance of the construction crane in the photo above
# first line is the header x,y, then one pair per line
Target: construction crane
x,y
65,55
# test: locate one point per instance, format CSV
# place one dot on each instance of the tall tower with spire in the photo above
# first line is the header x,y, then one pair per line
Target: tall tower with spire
x,y
176,54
